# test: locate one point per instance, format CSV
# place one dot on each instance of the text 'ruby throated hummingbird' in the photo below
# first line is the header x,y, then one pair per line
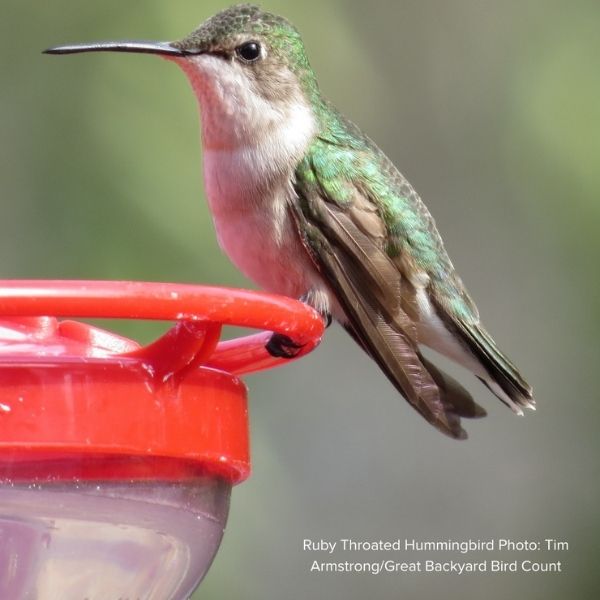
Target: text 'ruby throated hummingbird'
x,y
307,206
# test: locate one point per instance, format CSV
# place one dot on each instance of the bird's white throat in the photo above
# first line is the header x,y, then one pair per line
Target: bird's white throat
x,y
251,146
235,114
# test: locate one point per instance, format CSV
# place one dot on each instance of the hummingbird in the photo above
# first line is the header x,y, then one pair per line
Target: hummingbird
x,y
306,205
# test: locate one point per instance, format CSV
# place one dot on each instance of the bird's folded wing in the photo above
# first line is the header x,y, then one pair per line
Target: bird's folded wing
x,y
346,246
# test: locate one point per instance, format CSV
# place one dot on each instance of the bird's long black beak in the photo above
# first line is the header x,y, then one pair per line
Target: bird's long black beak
x,y
139,46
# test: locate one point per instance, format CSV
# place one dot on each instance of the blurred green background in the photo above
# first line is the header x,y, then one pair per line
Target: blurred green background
x,y
492,110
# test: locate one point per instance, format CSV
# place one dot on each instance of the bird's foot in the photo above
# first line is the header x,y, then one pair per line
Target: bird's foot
x,y
317,301
281,346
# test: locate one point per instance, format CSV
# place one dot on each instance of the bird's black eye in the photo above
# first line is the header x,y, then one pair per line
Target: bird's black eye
x,y
249,51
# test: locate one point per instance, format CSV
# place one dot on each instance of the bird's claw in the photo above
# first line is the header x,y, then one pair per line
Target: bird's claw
x,y
309,298
281,346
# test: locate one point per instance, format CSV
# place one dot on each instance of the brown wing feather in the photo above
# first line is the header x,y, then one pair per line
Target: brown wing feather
x,y
367,285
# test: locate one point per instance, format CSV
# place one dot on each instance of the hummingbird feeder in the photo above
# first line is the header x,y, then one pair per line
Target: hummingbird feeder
x,y
117,460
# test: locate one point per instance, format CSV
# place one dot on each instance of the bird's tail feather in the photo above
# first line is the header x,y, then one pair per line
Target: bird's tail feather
x,y
453,400
505,381
455,397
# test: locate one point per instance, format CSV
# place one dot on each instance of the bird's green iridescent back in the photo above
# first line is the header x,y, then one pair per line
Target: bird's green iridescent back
x,y
343,162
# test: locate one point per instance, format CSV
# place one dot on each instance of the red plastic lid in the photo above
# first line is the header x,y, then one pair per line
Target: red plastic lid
x,y
173,407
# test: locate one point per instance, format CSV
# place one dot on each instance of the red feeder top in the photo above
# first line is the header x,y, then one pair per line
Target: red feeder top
x,y
70,389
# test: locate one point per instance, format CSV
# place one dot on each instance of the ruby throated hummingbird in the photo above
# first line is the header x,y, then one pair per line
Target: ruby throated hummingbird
x,y
308,206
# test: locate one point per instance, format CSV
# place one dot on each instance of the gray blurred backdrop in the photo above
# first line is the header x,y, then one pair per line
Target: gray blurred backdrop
x,y
492,110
